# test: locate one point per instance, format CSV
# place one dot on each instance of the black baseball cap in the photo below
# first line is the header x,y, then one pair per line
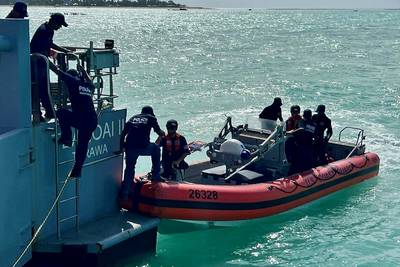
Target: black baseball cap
x,y
147,110
21,8
320,108
172,124
278,101
59,19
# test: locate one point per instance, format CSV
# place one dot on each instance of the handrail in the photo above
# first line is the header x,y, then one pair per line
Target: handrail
x,y
56,156
359,136
357,145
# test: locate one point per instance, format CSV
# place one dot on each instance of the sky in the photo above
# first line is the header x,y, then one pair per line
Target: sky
x,y
293,3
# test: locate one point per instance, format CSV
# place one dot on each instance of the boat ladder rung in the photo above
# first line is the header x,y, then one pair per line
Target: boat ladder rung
x,y
70,178
69,218
69,199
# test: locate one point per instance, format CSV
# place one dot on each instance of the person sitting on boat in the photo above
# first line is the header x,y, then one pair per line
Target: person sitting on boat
x,y
272,112
42,42
19,11
135,140
323,123
174,151
82,115
292,123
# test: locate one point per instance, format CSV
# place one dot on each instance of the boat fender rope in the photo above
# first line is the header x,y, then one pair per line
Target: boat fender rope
x,y
335,170
43,223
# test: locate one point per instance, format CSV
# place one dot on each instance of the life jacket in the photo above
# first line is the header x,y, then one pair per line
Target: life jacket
x,y
172,144
293,122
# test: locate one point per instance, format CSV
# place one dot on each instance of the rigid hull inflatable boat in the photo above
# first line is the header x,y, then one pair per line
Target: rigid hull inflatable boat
x,y
228,188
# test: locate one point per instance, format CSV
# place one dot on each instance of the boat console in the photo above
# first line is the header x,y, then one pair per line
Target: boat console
x,y
268,150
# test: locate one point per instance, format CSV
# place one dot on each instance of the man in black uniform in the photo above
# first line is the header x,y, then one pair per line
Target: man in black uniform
x,y
323,123
135,140
19,11
174,151
306,141
41,43
272,112
83,116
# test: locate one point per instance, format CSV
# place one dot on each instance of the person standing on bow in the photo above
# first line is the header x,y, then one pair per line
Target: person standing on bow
x,y
19,11
41,43
273,112
135,141
82,115
323,123
174,151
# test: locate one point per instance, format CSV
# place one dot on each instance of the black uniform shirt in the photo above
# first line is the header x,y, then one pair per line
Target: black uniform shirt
x,y
137,131
322,122
272,112
308,134
80,95
42,40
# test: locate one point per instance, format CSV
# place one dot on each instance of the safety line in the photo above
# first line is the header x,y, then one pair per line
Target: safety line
x,y
43,223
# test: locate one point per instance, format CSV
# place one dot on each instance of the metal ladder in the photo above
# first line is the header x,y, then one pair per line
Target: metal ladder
x,y
59,182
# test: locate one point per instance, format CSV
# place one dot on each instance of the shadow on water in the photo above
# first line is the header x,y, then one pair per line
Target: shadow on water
x,y
180,243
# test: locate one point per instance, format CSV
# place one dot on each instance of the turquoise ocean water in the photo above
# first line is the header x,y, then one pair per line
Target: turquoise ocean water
x,y
201,65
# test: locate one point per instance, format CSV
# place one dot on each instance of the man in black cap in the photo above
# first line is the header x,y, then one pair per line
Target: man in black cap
x,y
135,140
272,112
42,42
19,11
82,115
174,151
323,123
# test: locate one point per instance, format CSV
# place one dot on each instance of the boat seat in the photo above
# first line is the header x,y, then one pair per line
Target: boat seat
x,y
216,172
247,176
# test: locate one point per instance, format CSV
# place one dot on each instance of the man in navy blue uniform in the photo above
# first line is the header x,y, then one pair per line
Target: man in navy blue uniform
x,y
323,124
83,116
306,141
42,42
135,140
19,11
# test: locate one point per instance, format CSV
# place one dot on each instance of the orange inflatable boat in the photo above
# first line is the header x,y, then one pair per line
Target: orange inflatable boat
x,y
255,190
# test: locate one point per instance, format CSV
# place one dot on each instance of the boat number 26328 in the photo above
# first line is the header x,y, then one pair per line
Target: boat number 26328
x,y
203,194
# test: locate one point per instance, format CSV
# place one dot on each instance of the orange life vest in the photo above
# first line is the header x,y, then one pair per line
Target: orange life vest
x,y
173,144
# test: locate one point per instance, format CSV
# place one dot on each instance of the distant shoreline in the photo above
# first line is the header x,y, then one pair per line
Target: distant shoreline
x,y
206,8
182,7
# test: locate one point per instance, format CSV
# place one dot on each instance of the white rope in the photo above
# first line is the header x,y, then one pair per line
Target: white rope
x,y
43,223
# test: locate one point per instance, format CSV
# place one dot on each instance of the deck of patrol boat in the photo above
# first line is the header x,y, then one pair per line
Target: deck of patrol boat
x,y
99,240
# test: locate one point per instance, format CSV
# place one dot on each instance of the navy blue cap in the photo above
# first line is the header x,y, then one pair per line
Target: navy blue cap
x,y
147,110
59,19
21,8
